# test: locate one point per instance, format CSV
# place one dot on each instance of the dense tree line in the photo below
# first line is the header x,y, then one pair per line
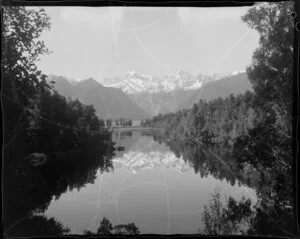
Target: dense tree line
x,y
118,122
29,103
258,125
272,214
123,122
106,228
65,122
219,120
40,126
29,189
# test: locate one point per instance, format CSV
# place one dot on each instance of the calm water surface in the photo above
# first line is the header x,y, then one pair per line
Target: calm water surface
x,y
150,186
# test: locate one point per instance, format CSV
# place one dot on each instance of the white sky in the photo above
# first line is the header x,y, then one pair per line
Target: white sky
x,y
109,41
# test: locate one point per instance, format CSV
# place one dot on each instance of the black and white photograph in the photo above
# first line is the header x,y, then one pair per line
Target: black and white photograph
x,y
149,120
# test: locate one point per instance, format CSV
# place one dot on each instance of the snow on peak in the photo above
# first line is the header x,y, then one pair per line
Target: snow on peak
x,y
135,83
135,161
238,72
130,74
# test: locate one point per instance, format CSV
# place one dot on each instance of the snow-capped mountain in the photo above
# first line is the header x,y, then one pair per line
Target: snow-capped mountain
x,y
133,83
135,161
108,102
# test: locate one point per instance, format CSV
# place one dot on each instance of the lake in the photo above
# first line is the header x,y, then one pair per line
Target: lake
x,y
150,185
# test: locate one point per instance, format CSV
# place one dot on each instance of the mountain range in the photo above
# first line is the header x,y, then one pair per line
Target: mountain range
x,y
139,96
177,91
234,84
134,83
107,101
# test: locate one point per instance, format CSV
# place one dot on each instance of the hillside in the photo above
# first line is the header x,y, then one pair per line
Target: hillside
x,y
221,88
108,102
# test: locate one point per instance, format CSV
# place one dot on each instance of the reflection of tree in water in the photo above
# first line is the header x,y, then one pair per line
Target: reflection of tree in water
x,y
202,159
106,228
125,134
36,225
273,212
29,190
273,182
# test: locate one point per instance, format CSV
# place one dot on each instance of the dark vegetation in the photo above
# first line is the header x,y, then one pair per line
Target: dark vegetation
x,y
118,122
228,220
123,122
250,133
257,127
28,102
106,228
222,162
51,144
219,120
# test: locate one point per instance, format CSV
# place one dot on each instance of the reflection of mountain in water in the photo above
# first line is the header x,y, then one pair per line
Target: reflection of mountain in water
x,y
145,153
137,161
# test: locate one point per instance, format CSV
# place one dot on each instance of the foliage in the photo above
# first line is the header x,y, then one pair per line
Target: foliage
x,y
21,49
61,123
257,125
127,229
108,123
269,145
56,131
271,72
220,220
219,120
123,122
39,225
22,80
106,228
29,190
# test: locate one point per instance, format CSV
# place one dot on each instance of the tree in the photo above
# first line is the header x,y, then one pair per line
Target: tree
x,y
21,49
22,81
95,123
38,226
223,220
195,109
82,123
108,123
271,74
271,71
129,122
105,227
126,229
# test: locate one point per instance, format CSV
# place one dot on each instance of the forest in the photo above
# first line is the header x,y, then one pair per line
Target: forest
x,y
256,126
219,120
251,132
32,106
42,128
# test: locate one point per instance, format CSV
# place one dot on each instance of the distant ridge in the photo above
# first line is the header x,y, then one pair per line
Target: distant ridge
x,y
108,102
134,83
235,84
141,96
